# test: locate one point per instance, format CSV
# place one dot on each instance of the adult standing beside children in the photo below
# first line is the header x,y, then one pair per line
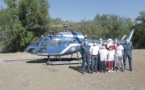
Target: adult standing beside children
x,y
94,51
100,46
128,53
84,50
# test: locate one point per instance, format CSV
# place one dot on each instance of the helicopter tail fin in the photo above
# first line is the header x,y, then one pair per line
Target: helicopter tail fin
x,y
130,35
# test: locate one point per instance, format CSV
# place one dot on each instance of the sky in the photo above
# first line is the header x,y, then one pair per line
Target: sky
x,y
77,10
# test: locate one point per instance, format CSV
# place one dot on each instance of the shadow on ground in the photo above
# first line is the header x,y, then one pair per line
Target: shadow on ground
x,y
37,61
17,60
51,59
76,68
27,60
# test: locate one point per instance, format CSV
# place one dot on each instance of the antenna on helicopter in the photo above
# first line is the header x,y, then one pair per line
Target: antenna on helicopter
x,y
66,27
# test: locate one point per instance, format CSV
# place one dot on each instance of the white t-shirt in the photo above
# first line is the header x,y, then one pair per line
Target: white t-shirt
x,y
100,45
103,54
115,45
111,55
94,50
119,50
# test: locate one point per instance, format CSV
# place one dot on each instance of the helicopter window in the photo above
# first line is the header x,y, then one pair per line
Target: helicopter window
x,y
55,42
37,42
67,39
44,42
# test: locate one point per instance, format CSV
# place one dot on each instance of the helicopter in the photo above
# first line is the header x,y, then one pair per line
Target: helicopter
x,y
62,43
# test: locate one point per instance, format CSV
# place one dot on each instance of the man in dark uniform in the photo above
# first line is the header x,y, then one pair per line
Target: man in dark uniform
x,y
127,53
84,50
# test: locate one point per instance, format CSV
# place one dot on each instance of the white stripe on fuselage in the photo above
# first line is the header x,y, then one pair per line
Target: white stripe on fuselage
x,y
71,45
68,47
91,44
75,36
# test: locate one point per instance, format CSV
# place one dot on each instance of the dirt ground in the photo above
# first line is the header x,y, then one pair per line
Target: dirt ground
x,y
23,71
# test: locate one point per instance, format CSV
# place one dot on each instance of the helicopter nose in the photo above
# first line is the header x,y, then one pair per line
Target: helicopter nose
x,y
42,50
32,50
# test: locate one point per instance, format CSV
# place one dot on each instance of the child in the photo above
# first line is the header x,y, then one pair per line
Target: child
x,y
111,58
103,58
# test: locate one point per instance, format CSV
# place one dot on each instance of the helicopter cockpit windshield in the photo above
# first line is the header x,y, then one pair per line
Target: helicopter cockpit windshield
x,y
55,42
37,42
45,42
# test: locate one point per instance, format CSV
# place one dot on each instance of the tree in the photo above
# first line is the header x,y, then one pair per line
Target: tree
x,y
23,21
112,26
34,15
106,26
9,21
139,35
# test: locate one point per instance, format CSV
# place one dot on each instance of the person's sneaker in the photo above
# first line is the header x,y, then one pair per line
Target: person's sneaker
x,y
108,70
112,71
100,71
104,71
83,73
95,71
130,69
89,72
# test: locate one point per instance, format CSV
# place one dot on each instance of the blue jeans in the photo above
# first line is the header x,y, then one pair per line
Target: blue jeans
x,y
85,59
99,62
119,60
94,63
103,65
129,55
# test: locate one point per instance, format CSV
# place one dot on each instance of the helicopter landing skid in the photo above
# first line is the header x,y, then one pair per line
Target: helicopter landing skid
x,y
64,62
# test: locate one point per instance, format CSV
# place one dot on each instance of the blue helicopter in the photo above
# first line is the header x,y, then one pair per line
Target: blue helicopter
x,y
62,43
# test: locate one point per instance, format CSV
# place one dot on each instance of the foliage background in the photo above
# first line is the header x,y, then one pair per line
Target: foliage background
x,y
24,21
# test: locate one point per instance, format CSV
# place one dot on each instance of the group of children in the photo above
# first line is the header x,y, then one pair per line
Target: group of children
x,y
111,56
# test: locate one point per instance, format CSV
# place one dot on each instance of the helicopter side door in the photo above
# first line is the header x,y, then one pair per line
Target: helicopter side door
x,y
42,48
55,46
70,45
